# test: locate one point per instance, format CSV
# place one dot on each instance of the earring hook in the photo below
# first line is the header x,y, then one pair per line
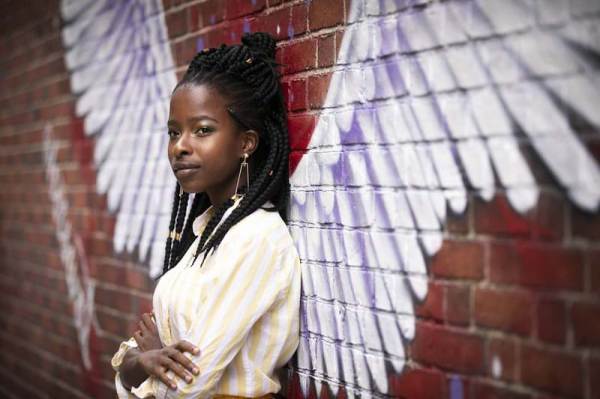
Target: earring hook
x,y
243,165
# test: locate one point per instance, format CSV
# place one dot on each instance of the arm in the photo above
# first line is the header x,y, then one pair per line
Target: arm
x,y
132,373
150,358
248,279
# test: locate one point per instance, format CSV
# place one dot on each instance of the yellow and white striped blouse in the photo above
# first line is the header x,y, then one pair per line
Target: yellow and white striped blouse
x,y
241,308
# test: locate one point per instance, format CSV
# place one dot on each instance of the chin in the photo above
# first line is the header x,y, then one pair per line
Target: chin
x,y
190,188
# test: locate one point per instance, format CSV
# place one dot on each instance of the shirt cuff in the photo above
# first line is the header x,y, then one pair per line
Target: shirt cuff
x,y
117,358
144,390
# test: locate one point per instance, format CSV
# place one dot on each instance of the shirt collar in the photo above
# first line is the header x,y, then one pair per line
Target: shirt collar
x,y
202,220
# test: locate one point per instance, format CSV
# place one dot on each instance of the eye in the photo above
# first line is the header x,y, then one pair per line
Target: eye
x,y
204,130
172,133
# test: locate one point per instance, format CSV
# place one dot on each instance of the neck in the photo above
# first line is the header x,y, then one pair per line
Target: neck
x,y
218,197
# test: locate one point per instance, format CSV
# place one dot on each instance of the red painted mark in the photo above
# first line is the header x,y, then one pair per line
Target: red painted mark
x,y
300,128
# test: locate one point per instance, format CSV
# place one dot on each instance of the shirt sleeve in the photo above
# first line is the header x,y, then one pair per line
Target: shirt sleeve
x,y
253,276
144,390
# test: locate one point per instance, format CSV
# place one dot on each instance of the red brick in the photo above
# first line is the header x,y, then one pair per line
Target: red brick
x,y
294,160
433,306
185,51
594,379
552,371
540,266
549,218
142,304
325,13
501,359
113,324
300,128
326,51
497,217
458,304
137,278
205,14
458,387
551,321
276,23
318,85
458,224
239,8
593,258
114,299
509,311
299,19
299,56
177,23
483,390
447,348
297,95
586,323
83,151
99,246
233,31
417,383
585,225
459,259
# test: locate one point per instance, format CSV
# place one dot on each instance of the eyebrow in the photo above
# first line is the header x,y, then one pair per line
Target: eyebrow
x,y
193,119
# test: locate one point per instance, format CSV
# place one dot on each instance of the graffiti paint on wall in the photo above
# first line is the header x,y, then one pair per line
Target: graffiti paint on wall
x,y
72,253
422,106
122,71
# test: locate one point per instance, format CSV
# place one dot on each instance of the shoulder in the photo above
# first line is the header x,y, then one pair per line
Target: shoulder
x,y
263,233
263,225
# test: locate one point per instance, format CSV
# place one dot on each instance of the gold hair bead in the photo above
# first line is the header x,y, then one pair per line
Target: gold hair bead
x,y
175,236
249,60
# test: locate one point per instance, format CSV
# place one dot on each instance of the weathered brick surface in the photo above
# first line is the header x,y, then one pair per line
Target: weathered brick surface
x,y
513,296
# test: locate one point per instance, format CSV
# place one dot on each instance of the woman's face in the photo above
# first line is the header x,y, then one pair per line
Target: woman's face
x,y
205,144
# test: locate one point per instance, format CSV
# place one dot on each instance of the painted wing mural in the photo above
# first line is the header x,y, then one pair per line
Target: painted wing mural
x,y
122,70
421,106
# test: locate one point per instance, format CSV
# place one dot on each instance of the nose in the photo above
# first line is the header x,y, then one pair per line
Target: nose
x,y
181,146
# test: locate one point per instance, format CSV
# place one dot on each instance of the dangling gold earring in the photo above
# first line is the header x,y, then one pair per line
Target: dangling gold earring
x,y
243,165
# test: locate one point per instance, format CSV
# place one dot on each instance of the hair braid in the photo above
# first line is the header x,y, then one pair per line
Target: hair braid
x,y
199,205
263,188
210,227
169,244
245,74
181,211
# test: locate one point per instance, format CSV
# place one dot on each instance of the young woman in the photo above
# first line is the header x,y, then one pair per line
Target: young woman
x,y
226,309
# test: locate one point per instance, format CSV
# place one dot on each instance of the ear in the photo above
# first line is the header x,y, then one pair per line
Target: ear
x,y
250,141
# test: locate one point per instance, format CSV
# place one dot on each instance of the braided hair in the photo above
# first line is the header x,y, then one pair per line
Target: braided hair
x,y
246,75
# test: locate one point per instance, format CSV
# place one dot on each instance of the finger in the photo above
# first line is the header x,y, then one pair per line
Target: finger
x,y
179,370
138,338
185,346
161,373
180,358
147,319
143,328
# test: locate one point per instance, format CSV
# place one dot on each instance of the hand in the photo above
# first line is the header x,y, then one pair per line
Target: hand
x,y
147,336
156,362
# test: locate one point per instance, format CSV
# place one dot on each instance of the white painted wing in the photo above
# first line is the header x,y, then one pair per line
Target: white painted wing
x,y
423,104
121,69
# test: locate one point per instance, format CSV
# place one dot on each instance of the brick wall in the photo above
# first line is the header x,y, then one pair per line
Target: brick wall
x,y
445,189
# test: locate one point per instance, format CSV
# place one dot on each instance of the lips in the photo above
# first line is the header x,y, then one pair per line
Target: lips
x,y
185,169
